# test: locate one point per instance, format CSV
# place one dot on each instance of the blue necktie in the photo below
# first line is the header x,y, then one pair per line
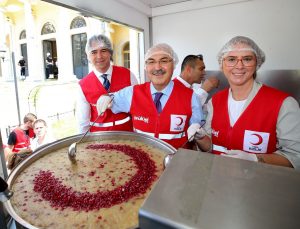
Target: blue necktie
x,y
157,102
106,82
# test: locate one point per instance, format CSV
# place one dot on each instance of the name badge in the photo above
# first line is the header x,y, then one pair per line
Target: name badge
x,y
256,142
177,122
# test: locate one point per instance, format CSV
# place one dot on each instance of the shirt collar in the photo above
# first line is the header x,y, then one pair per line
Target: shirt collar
x,y
108,72
184,82
166,91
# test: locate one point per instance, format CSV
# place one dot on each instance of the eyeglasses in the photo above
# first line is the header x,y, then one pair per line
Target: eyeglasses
x,y
247,61
161,62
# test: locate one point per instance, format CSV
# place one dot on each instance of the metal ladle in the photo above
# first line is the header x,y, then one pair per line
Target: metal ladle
x,y
73,147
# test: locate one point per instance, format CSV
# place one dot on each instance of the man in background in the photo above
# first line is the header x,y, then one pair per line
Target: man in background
x,y
19,140
192,76
49,65
43,136
22,64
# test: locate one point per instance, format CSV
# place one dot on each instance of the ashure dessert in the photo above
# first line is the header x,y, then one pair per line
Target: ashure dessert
x,y
104,189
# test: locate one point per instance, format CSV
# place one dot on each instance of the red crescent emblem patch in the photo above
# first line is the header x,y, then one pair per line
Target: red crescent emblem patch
x,y
180,121
259,140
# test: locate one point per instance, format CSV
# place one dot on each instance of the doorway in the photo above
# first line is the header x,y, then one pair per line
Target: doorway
x,y
50,59
24,54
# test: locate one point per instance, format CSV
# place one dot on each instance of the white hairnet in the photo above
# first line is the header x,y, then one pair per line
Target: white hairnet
x,y
162,48
251,46
98,41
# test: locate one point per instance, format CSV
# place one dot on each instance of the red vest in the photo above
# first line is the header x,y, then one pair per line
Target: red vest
x,y
255,130
178,81
22,141
172,123
31,133
93,89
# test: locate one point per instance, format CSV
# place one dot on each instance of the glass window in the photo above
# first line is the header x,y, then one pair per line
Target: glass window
x,y
126,55
80,61
78,22
48,28
22,34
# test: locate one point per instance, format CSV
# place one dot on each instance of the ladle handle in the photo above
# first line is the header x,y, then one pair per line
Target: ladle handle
x,y
88,130
191,137
94,121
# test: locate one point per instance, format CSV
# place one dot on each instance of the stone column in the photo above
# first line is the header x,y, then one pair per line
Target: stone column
x,y
134,53
34,53
5,58
64,47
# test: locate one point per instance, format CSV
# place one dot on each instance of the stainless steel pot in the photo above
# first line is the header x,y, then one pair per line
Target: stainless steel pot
x,y
66,142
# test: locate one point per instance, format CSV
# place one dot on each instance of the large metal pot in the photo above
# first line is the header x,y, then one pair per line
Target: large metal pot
x,y
66,142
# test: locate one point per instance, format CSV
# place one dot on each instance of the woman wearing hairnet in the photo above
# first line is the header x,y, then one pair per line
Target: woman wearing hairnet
x,y
249,120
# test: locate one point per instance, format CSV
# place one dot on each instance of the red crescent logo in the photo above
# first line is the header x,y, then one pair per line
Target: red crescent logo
x,y
180,121
259,138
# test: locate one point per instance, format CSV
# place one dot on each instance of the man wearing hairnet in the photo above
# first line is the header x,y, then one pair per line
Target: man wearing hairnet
x,y
103,78
160,108
249,120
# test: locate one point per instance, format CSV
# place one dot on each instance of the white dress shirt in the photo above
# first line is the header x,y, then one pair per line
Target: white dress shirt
x,y
196,88
35,142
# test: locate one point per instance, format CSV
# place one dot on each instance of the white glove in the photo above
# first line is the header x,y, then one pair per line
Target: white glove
x,y
195,132
241,155
104,102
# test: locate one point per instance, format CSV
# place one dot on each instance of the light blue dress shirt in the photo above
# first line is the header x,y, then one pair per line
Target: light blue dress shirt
x,y
123,98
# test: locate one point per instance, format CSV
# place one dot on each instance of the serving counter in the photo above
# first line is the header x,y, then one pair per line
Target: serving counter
x,y
201,190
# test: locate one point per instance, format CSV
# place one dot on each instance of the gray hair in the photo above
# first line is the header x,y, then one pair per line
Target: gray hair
x,y
101,41
162,48
252,46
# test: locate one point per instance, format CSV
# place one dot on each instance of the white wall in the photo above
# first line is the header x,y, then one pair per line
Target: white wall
x,y
114,10
273,24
